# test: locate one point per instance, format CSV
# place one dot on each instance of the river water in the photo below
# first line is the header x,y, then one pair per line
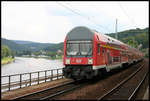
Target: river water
x,y
25,65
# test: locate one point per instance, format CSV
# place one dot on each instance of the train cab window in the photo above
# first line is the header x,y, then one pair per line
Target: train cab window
x,y
98,50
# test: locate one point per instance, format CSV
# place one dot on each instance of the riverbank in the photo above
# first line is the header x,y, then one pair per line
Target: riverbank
x,y
46,57
26,65
6,60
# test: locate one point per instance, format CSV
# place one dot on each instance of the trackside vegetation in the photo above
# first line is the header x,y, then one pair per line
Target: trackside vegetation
x,y
7,55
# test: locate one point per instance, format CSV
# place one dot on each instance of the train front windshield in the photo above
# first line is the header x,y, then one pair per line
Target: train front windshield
x,y
79,48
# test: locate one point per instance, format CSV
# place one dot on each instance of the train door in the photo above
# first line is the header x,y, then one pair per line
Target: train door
x,y
98,53
108,57
103,56
120,56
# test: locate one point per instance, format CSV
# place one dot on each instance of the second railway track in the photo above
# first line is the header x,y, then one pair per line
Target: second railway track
x,y
126,89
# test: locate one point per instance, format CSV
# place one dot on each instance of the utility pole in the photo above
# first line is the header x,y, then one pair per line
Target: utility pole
x,y
116,30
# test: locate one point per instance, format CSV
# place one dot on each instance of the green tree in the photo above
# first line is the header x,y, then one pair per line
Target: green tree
x,y
51,54
37,53
13,54
27,52
5,51
142,38
133,43
126,39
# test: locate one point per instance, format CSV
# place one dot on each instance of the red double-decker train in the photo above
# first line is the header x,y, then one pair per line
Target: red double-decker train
x,y
88,53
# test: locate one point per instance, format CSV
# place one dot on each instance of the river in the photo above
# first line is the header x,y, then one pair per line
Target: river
x,y
26,65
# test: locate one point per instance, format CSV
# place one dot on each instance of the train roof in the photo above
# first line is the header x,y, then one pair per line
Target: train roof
x,y
109,39
82,32
115,41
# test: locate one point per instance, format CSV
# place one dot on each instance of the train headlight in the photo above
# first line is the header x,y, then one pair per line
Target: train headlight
x,y
90,61
67,61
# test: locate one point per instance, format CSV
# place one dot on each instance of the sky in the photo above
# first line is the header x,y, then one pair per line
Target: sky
x,y
50,21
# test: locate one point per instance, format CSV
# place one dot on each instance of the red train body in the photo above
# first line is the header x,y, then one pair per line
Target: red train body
x,y
88,53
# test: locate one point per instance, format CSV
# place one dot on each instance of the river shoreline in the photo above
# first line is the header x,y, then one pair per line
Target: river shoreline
x,y
61,58
7,60
25,65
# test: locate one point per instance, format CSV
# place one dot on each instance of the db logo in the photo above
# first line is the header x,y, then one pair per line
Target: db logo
x,y
78,60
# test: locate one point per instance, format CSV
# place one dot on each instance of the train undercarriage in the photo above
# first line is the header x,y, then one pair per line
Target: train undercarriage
x,y
78,72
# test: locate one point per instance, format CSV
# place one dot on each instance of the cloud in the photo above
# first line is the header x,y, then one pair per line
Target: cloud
x,y
102,12
50,22
32,22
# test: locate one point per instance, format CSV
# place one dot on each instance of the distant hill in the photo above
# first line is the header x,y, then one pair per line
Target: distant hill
x,y
127,33
54,48
19,45
22,42
12,45
33,46
140,35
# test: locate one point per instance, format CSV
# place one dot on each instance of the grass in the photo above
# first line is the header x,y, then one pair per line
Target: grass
x,y
6,60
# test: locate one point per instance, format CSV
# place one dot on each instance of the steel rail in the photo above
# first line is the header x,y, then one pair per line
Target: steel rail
x,y
43,90
124,81
137,88
62,92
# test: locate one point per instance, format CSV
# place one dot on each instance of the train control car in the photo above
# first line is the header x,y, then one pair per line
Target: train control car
x,y
88,53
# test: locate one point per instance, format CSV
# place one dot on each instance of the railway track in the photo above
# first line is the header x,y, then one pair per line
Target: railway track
x,y
43,93
126,89
52,92
99,87
53,96
118,92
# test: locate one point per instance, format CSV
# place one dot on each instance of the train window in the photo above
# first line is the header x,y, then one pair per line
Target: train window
x,y
115,59
98,50
79,48
86,49
72,49
97,37
103,51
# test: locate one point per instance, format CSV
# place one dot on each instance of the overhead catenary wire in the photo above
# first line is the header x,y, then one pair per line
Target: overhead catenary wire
x,y
124,11
94,6
88,18
120,26
131,32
